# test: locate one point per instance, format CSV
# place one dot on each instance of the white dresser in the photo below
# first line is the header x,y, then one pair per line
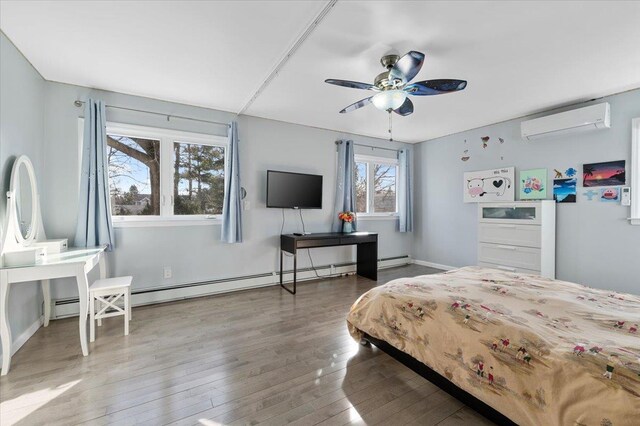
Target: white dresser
x,y
518,237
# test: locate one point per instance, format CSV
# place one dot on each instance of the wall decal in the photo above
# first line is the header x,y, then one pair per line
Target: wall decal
x,y
465,153
570,172
501,140
564,190
558,174
610,195
485,141
603,174
591,194
533,184
489,185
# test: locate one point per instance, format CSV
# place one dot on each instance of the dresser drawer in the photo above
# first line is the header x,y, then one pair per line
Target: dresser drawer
x,y
509,255
358,239
508,268
510,234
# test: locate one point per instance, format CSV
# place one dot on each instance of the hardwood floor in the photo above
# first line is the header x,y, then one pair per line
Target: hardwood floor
x,y
257,356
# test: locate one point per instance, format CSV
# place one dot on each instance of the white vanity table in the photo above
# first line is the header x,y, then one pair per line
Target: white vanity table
x,y
33,257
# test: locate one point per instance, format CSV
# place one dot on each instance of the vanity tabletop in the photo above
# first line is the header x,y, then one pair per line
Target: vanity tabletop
x,y
70,256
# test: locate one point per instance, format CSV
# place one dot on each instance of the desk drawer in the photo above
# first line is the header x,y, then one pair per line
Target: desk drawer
x,y
358,239
325,242
508,255
505,233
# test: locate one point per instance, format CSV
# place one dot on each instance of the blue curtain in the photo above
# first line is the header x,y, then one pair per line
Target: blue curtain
x,y
232,207
345,184
94,226
405,190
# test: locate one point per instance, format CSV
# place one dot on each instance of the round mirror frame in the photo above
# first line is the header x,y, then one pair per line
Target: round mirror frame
x,y
15,179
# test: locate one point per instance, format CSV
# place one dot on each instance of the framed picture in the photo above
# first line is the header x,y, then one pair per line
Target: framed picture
x,y
564,190
609,173
533,184
489,186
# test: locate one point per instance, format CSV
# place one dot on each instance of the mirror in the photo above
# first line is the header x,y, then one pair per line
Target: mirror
x,y
24,200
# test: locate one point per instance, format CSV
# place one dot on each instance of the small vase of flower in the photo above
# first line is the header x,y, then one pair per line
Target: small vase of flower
x,y
347,219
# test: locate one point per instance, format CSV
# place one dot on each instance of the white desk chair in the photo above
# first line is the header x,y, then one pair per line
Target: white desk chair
x,y
104,295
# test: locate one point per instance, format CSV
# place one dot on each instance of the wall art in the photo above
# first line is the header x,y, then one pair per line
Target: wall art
x,y
610,195
489,185
533,184
564,190
603,174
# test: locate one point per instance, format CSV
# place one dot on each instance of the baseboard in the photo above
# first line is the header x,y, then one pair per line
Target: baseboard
x,y
63,308
25,335
434,265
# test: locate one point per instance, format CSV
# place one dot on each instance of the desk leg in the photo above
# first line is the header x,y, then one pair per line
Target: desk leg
x,y
5,329
46,293
295,267
281,256
368,260
83,295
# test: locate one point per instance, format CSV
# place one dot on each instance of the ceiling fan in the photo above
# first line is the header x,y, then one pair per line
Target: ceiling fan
x,y
393,87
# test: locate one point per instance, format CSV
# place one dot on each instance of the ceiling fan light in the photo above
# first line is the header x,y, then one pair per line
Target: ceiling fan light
x,y
389,99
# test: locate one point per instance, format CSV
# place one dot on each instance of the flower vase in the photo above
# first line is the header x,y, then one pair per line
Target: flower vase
x,y
347,227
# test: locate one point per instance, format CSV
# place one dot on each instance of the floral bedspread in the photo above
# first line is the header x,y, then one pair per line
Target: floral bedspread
x,y
540,351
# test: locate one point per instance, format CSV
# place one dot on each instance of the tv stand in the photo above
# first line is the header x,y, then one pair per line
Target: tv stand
x,y
367,243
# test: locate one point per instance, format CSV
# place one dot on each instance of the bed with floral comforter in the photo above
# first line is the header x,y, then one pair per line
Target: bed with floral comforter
x,y
539,351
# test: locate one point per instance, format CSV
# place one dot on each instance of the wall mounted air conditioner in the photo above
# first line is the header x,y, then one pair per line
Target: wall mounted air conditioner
x,y
588,118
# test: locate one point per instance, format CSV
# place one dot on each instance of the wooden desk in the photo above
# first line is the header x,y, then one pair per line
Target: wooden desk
x,y
75,262
367,243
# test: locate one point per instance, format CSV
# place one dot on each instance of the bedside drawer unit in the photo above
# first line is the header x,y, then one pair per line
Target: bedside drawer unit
x,y
518,237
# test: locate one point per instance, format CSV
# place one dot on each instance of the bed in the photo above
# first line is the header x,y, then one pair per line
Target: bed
x,y
538,351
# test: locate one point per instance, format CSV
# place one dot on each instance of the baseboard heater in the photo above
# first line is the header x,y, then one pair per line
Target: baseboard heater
x,y
63,308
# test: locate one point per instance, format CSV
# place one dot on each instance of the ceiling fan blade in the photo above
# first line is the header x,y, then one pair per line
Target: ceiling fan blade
x,y
435,87
407,67
351,84
359,104
405,109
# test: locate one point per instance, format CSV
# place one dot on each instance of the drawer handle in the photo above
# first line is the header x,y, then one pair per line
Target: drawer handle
x,y
507,247
506,268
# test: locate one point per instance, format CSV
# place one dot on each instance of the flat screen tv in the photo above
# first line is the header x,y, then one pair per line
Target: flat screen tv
x,y
293,190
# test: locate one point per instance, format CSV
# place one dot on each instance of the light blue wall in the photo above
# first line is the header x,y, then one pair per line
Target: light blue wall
x,y
21,132
195,253
596,246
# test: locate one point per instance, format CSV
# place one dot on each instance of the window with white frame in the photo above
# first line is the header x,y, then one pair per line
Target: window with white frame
x,y
158,174
375,186
635,172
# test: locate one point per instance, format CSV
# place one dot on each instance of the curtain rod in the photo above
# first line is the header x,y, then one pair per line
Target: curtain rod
x,y
372,147
169,116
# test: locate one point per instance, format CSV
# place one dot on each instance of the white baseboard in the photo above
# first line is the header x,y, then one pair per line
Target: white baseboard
x,y
68,308
25,335
434,265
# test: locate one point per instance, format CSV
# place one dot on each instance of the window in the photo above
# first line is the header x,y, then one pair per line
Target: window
x,y
635,172
159,176
375,181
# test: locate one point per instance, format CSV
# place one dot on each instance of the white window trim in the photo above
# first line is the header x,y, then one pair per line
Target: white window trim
x,y
360,158
166,137
635,172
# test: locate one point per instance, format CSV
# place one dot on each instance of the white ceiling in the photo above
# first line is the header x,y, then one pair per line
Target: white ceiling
x,y
519,57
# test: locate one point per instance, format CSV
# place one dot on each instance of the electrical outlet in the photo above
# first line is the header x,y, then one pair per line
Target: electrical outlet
x,y
167,272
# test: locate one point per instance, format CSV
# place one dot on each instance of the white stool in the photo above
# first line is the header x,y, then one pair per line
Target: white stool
x,y
103,295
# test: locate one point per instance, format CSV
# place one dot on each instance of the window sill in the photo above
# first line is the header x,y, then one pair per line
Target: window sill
x,y
163,222
377,216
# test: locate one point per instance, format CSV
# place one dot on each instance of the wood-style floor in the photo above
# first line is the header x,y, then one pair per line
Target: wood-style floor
x,y
257,356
